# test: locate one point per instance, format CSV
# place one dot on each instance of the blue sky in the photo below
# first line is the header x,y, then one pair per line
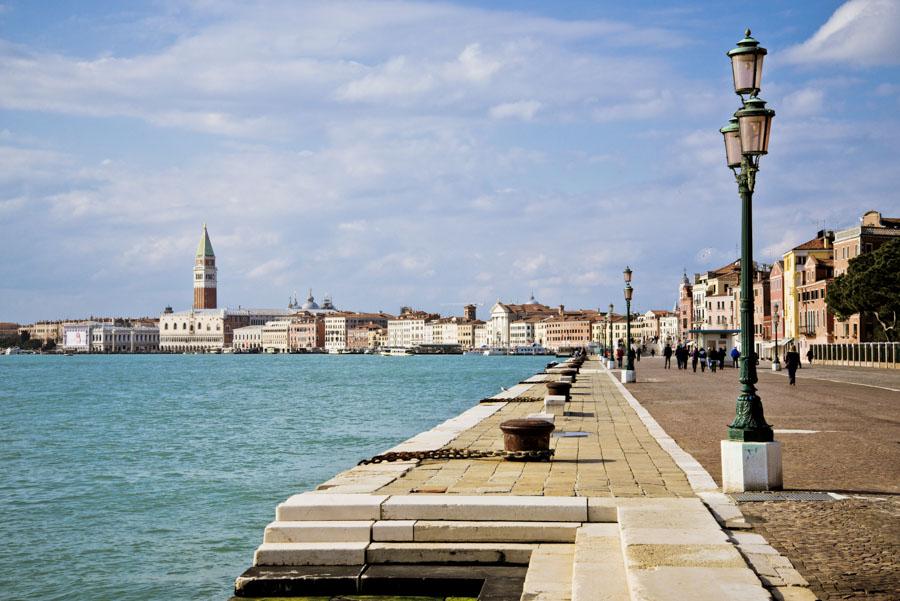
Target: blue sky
x,y
420,153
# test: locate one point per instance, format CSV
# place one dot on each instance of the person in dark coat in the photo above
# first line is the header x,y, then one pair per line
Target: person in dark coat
x,y
695,356
792,363
701,355
809,356
667,353
735,354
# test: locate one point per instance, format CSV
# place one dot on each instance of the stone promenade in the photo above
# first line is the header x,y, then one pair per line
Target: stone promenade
x,y
619,514
839,428
616,457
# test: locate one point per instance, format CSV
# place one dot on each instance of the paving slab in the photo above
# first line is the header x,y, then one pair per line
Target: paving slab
x,y
485,508
598,569
549,576
531,532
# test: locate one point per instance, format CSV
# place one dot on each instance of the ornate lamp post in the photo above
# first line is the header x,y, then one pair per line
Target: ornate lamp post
x,y
776,362
610,360
628,374
746,139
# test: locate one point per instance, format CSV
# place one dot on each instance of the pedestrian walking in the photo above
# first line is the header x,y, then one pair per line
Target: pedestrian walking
x,y
713,359
638,355
702,357
792,363
620,352
667,353
720,355
694,357
734,356
680,357
809,356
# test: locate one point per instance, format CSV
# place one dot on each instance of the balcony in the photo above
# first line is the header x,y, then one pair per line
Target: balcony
x,y
807,330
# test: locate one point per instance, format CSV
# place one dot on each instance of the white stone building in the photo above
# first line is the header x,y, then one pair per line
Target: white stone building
x,y
209,330
248,338
92,337
337,325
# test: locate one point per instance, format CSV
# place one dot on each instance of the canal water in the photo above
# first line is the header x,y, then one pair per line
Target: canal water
x,y
152,476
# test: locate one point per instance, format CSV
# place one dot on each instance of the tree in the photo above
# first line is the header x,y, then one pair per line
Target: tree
x,y
871,286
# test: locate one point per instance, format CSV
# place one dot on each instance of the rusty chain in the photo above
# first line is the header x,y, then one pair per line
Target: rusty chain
x,y
542,455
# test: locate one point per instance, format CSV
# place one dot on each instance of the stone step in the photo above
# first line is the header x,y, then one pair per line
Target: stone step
x,y
318,532
475,532
310,554
485,508
549,576
598,570
321,507
493,553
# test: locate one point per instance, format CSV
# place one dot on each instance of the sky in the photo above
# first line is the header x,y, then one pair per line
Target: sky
x,y
427,154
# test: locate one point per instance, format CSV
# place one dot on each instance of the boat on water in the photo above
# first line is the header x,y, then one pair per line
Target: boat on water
x,y
396,351
532,349
488,352
13,350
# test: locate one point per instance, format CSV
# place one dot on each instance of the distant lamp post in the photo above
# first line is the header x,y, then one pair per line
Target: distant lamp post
x,y
746,139
776,362
610,360
628,375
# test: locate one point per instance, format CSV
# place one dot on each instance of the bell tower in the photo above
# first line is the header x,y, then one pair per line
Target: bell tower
x,y
205,274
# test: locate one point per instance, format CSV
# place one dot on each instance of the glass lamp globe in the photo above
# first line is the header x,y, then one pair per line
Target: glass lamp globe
x,y
746,65
755,122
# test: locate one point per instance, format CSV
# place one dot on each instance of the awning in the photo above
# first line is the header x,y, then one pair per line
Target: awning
x,y
781,342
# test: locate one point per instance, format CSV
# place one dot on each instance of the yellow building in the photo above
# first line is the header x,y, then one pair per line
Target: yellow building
x,y
820,247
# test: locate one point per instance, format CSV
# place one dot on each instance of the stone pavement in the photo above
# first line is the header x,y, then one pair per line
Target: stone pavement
x,y
839,428
859,563
836,436
617,457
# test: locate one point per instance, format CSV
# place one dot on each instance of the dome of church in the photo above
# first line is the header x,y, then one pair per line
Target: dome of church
x,y
310,304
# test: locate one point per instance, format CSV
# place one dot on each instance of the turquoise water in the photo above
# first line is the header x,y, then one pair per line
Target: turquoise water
x,y
152,477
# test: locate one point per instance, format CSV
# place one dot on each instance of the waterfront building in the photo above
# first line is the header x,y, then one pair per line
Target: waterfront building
x,y
45,331
480,335
570,329
776,308
339,323
503,314
205,274
274,336
816,321
96,337
669,330
10,330
306,333
368,336
408,329
522,331
247,338
465,331
871,232
652,326
209,330
794,265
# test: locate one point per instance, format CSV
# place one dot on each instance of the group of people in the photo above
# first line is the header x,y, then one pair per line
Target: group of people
x,y
714,358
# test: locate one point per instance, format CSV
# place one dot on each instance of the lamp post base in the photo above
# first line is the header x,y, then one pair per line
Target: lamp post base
x,y
628,376
776,366
749,466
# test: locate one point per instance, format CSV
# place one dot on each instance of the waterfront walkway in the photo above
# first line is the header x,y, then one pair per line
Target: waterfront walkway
x,y
620,513
617,457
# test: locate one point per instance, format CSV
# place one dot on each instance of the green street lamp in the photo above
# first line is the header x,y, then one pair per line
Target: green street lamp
x,y
776,362
609,317
629,351
748,131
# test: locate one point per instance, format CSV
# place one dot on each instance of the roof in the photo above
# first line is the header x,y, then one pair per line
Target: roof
x,y
814,244
205,249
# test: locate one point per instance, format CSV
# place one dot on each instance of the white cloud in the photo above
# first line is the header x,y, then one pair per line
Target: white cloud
x,y
522,109
804,102
863,32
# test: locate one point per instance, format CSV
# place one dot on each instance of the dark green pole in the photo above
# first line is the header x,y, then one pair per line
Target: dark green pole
x,y
749,423
629,353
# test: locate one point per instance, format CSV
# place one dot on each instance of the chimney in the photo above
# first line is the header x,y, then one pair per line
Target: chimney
x,y
562,310
469,312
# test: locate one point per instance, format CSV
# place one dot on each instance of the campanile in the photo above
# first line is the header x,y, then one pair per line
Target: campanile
x,y
205,274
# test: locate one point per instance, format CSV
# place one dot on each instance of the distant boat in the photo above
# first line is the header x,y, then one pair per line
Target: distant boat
x,y
13,350
396,351
493,351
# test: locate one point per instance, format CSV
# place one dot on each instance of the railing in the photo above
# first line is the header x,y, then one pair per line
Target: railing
x,y
868,354
807,330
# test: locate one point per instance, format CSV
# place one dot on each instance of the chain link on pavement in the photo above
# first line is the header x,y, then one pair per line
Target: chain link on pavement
x,y
543,455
